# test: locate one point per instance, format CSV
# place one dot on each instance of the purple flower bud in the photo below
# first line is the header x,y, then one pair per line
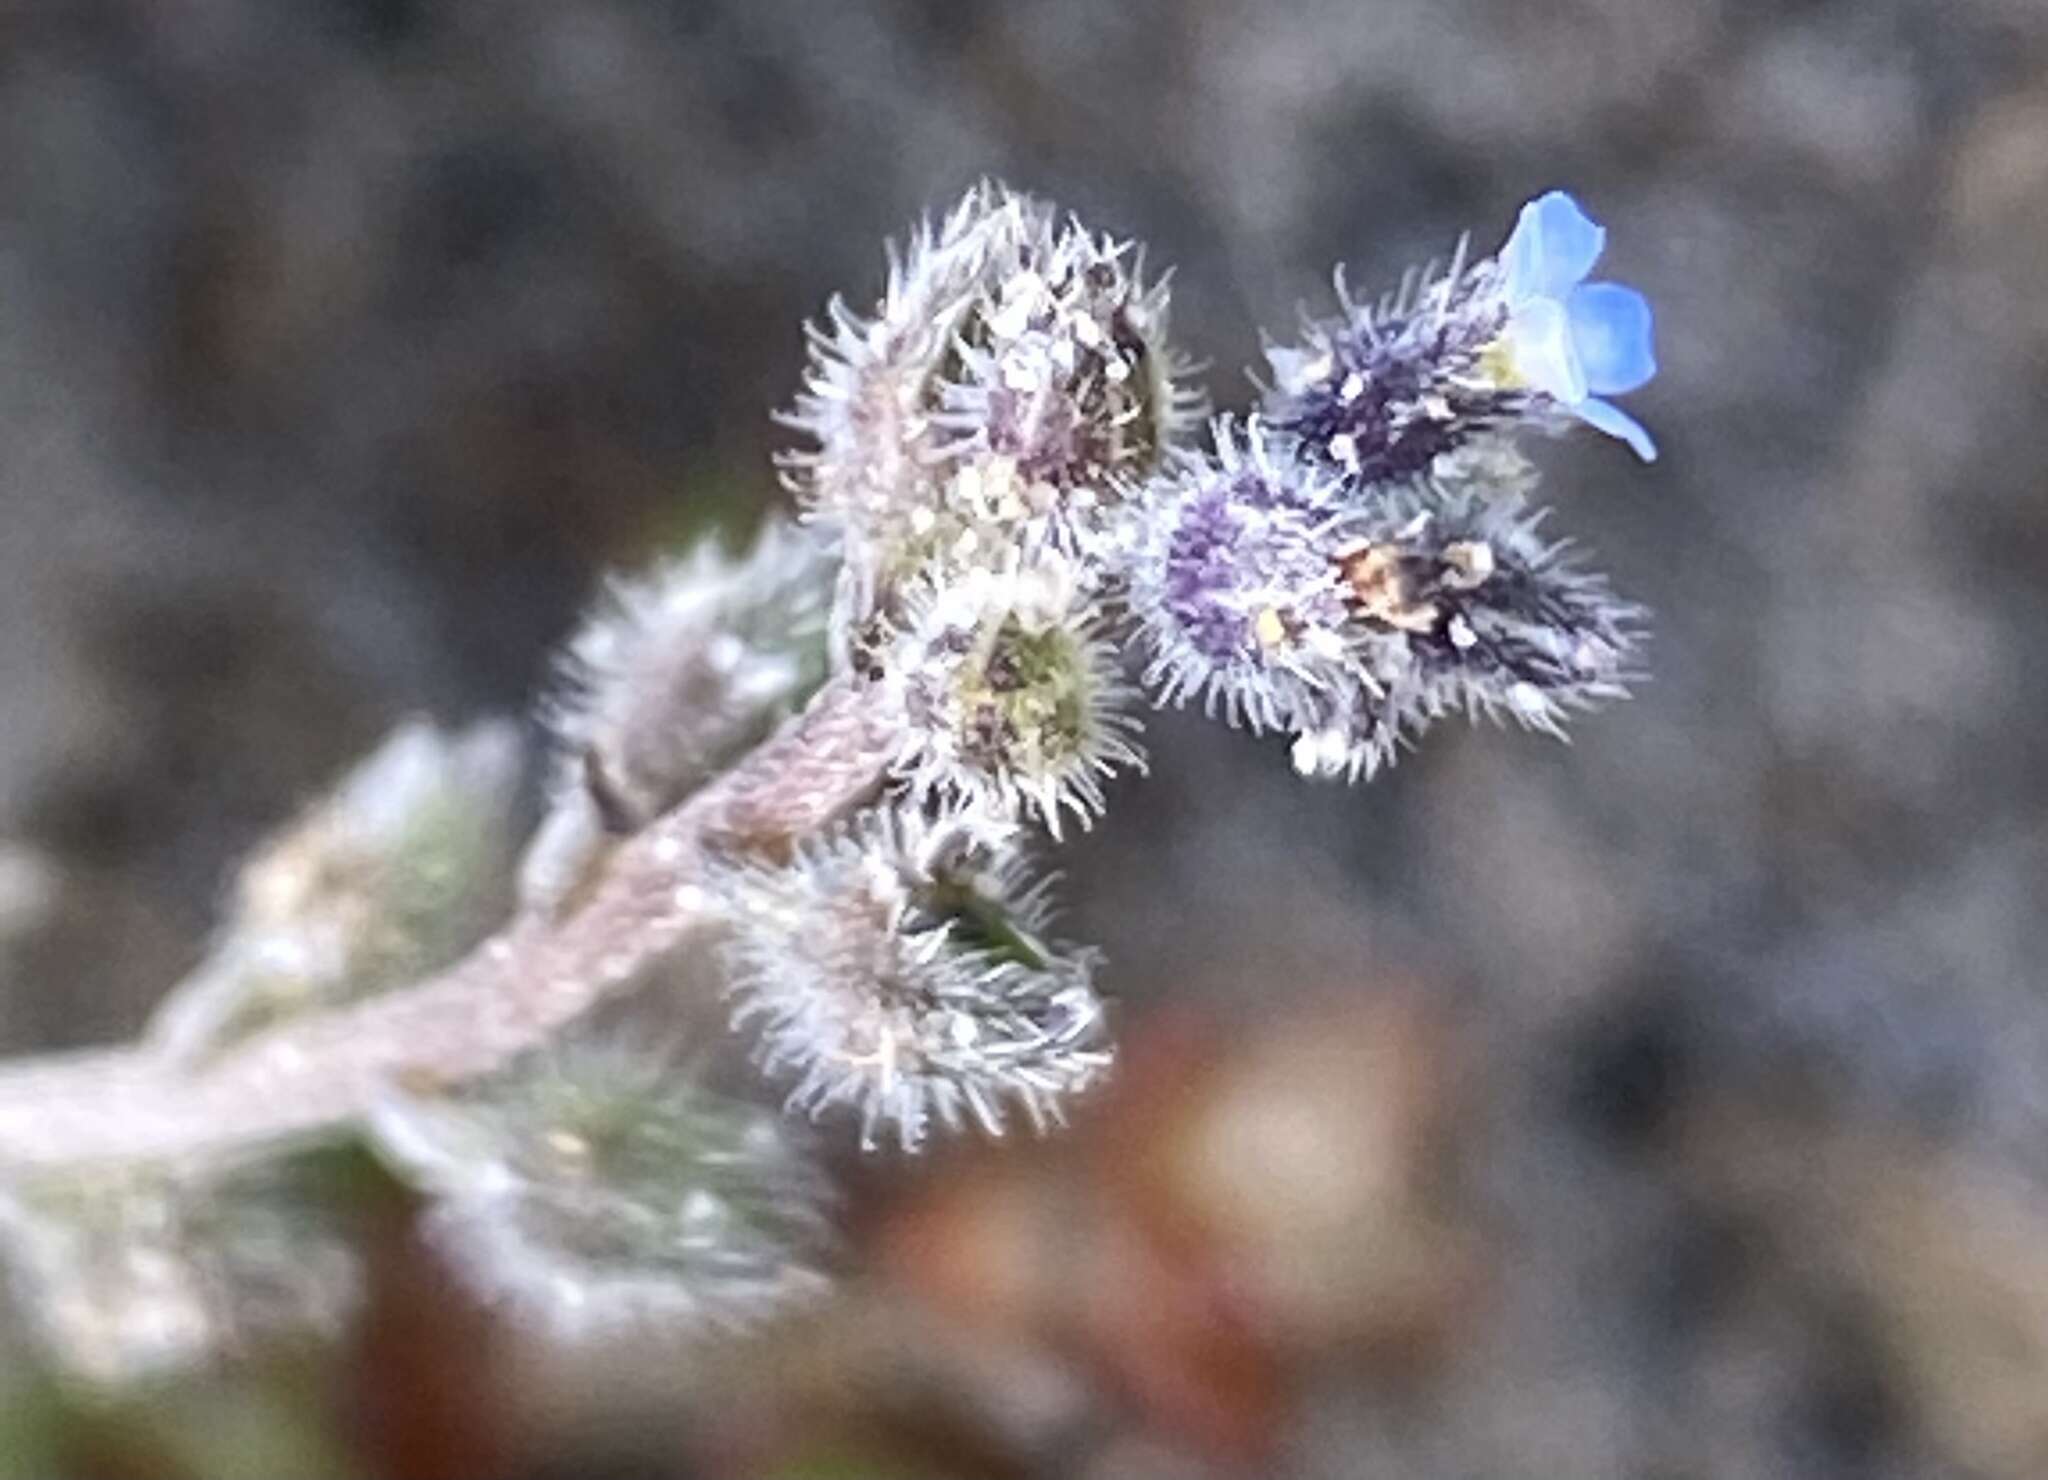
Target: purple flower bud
x,y
1235,580
1382,391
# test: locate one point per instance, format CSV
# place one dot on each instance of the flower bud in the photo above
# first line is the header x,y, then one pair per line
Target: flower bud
x,y
1235,582
596,1187
129,1273
1012,693
1382,391
1063,392
902,969
675,676
1459,605
399,870
1013,382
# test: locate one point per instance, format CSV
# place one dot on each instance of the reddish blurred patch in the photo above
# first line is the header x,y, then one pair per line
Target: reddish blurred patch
x,y
426,1376
1244,1202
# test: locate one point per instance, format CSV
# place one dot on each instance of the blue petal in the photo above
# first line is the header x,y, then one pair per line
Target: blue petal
x,y
1605,416
1552,248
1540,347
1610,329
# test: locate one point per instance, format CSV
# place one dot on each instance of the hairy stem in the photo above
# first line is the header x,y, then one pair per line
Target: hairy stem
x,y
313,1075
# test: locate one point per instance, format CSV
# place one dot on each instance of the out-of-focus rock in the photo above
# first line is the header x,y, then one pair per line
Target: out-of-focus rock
x,y
1941,1258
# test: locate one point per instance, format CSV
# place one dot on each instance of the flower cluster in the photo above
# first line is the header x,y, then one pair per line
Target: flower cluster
x,y
1360,560
827,762
1002,448
979,440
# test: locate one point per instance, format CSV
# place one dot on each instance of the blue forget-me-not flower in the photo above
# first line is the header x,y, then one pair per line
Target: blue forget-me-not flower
x,y
1574,341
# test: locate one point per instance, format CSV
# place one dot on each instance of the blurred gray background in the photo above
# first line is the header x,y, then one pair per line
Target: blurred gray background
x,y
345,343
